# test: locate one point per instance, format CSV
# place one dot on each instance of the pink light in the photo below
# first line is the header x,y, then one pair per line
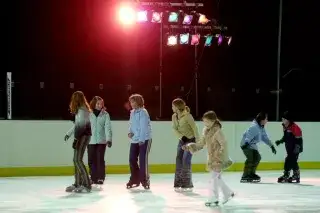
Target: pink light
x,y
142,16
127,15
156,17
195,39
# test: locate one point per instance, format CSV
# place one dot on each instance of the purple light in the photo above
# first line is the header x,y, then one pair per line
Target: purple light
x,y
220,40
187,19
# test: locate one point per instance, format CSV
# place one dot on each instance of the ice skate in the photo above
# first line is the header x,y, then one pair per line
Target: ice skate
x,y
227,199
255,178
211,203
71,188
284,178
82,189
246,179
146,185
132,184
295,178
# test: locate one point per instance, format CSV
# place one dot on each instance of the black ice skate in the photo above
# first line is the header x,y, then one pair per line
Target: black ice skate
x,y
284,178
146,185
246,179
255,178
132,184
295,178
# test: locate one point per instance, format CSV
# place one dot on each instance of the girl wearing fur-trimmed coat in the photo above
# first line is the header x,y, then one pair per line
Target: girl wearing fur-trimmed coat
x,y
218,158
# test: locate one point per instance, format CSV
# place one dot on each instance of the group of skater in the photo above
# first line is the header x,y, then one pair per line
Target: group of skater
x,y
92,130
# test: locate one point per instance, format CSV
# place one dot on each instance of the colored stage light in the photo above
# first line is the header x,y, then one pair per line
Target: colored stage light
x,y
220,39
172,40
195,39
208,41
229,40
187,19
156,17
173,17
203,19
184,38
142,16
127,15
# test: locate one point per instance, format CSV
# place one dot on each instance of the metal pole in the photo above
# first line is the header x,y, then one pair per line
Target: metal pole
x,y
160,70
196,76
279,61
9,95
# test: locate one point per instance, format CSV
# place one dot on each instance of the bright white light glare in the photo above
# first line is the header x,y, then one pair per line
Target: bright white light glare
x,y
127,15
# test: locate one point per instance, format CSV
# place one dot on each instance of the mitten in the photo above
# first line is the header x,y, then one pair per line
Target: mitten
x,y
246,145
274,151
75,144
66,137
278,142
296,149
109,144
184,139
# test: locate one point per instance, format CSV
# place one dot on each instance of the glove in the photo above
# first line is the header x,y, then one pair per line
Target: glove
x,y
109,144
296,149
278,142
75,144
246,145
274,151
66,138
184,139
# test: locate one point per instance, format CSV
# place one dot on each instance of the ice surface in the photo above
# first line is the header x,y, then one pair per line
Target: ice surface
x,y
47,195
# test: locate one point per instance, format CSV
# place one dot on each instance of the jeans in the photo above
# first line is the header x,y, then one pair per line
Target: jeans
x,y
183,174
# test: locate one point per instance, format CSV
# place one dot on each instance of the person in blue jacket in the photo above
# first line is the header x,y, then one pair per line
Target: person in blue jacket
x,y
251,137
141,139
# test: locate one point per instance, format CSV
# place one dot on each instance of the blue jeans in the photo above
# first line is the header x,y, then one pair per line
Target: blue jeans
x,y
183,174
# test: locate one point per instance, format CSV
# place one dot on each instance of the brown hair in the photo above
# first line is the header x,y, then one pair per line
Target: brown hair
x,y
138,99
180,104
94,101
78,100
212,116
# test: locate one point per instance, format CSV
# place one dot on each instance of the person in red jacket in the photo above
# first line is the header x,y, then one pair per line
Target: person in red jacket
x,y
292,138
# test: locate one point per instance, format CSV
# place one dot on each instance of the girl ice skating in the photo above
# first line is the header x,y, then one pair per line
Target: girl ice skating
x,y
187,131
82,133
141,139
218,158
100,139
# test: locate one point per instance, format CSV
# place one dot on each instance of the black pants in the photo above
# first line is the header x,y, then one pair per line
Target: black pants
x,y
183,173
81,174
291,162
96,162
140,173
253,159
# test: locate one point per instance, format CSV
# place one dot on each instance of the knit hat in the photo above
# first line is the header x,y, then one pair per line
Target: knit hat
x,y
288,116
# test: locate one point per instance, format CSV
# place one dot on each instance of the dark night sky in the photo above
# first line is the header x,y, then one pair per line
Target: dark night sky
x,y
79,41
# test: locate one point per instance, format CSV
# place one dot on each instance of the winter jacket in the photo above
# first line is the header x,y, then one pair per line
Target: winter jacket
x,y
81,124
140,125
213,138
101,128
292,137
184,125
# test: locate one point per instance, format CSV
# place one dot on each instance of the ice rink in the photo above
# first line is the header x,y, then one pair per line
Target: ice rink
x,y
47,195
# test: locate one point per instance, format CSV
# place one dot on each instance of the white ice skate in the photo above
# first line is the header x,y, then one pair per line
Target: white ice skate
x,y
82,189
227,199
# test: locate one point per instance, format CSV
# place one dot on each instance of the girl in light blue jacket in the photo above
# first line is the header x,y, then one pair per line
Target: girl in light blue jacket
x,y
101,137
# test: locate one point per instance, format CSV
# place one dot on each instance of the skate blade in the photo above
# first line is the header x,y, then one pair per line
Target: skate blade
x,y
211,204
133,186
229,198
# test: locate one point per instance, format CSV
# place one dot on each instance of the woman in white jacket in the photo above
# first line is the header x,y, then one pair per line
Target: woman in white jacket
x,y
101,137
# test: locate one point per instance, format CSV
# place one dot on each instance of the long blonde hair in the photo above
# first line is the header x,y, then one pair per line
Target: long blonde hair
x,y
78,100
180,105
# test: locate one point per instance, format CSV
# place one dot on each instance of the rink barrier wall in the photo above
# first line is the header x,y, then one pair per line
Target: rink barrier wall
x,y
36,148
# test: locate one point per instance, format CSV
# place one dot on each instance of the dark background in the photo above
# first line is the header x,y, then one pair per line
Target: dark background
x,y
59,42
